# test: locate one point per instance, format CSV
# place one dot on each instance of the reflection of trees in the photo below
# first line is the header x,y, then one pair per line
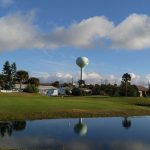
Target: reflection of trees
x,y
5,128
126,123
80,128
19,125
8,127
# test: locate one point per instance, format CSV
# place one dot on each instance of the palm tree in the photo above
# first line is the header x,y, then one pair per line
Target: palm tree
x,y
22,76
34,81
126,78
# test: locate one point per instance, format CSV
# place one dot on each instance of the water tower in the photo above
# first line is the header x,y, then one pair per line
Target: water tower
x,y
82,62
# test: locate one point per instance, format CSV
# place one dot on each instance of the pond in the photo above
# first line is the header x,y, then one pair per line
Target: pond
x,y
112,133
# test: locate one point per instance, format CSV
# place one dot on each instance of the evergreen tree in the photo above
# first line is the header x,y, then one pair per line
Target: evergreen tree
x,y
7,75
13,72
2,83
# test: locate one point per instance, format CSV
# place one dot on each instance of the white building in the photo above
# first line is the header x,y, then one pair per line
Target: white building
x,y
17,86
142,90
48,90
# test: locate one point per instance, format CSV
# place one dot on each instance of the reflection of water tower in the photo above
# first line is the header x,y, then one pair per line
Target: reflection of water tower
x,y
80,128
82,62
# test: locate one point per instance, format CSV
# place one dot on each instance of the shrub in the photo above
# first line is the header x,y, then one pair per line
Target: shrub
x,y
76,92
31,88
81,92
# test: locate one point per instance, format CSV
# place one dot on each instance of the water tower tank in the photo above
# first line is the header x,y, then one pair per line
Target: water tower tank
x,y
82,62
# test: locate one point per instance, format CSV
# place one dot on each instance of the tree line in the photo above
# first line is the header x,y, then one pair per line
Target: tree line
x,y
10,76
124,89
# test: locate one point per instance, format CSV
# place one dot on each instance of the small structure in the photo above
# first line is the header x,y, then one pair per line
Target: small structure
x,y
65,91
86,91
48,90
17,87
142,90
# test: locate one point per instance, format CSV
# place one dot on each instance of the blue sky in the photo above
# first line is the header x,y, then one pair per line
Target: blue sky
x,y
45,37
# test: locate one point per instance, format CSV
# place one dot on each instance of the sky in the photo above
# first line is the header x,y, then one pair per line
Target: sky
x,y
45,37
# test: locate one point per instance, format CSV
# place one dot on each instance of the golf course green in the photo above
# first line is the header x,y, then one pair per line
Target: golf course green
x,y
24,106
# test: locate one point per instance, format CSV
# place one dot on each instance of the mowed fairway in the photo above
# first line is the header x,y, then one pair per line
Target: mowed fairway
x,y
24,106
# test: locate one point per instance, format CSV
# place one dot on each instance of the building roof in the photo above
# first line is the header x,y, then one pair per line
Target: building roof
x,y
45,87
23,86
142,88
66,88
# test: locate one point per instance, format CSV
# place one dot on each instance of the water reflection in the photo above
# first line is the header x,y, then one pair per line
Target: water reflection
x,y
8,127
60,134
126,123
80,128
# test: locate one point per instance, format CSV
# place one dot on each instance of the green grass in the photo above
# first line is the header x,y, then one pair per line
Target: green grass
x,y
24,106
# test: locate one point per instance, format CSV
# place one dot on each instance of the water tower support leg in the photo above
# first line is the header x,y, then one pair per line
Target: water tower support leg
x,y
81,73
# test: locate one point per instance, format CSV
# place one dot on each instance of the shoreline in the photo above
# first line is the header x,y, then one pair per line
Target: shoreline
x,y
67,115
25,106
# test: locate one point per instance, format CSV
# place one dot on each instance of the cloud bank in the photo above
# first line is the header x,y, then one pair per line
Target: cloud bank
x,y
19,31
5,3
90,78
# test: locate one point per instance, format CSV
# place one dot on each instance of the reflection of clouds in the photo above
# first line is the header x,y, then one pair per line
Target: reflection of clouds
x,y
135,145
116,145
57,134
51,143
48,144
30,143
78,145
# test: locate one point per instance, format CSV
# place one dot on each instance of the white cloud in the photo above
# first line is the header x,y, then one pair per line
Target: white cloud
x,y
112,79
90,78
5,3
138,145
48,78
66,77
39,74
19,31
148,77
133,76
132,33
82,34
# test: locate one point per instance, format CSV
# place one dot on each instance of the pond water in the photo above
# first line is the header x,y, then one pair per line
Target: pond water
x,y
113,133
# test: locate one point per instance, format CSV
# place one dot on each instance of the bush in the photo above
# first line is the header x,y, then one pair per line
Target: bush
x,y
76,92
31,88
132,90
81,92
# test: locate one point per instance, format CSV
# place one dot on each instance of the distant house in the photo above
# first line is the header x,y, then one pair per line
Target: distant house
x,y
142,90
86,90
17,87
65,90
48,90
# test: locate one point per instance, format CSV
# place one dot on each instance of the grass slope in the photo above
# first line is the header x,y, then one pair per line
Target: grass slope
x,y
18,106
